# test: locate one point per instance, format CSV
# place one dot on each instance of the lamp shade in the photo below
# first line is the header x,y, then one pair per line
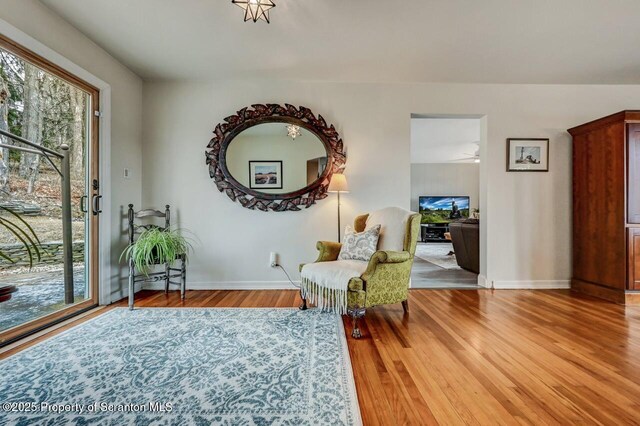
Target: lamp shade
x,y
338,183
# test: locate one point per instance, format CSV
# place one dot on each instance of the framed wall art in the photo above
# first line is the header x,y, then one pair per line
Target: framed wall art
x,y
527,155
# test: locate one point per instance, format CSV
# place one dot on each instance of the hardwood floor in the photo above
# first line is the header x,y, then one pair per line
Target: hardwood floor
x,y
480,356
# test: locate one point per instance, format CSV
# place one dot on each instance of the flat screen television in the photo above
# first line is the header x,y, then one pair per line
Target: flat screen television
x,y
439,209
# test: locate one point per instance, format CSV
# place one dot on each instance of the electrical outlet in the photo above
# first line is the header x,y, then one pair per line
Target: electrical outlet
x,y
127,173
273,259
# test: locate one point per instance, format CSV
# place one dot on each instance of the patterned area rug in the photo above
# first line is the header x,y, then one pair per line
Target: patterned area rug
x,y
438,254
187,367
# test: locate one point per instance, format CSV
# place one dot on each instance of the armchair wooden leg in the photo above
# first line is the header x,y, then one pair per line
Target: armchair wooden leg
x,y
356,313
405,305
303,307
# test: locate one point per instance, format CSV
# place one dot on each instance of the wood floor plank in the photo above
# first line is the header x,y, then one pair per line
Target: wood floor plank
x,y
474,356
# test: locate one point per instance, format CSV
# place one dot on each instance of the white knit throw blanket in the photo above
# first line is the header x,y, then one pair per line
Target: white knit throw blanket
x,y
325,283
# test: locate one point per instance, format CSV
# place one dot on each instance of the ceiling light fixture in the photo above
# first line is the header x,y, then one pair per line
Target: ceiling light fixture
x,y
255,9
293,131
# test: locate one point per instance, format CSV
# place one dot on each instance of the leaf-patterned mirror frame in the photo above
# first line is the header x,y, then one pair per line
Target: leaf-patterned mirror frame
x,y
247,117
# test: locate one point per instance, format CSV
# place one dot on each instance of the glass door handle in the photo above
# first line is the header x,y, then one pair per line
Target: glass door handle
x,y
95,204
83,204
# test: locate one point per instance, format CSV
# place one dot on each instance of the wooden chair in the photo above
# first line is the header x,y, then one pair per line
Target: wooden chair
x,y
168,272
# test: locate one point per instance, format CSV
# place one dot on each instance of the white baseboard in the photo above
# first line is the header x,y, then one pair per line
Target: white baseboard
x,y
286,285
228,285
482,281
531,285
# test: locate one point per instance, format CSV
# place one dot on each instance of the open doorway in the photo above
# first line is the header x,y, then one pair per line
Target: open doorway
x,y
445,189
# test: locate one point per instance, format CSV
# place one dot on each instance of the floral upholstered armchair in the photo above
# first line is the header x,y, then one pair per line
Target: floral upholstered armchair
x,y
384,279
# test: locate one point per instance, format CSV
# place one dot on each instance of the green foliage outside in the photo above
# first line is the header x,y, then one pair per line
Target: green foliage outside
x,y
440,216
54,109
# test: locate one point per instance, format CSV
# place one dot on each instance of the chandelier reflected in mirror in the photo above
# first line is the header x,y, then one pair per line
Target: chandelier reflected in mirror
x,y
293,131
255,10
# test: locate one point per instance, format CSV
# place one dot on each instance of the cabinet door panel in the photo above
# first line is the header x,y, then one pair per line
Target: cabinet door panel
x,y
634,259
633,173
599,233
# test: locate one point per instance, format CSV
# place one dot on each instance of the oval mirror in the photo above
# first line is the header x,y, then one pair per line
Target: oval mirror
x,y
273,157
276,158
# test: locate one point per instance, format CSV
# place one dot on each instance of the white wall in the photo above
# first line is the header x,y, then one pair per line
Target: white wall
x,y
527,215
37,21
445,179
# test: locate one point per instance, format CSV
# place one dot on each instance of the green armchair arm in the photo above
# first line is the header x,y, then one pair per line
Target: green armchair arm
x,y
391,256
328,251
381,257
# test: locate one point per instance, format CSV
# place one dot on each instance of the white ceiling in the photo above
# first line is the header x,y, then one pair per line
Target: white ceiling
x,y
495,41
444,140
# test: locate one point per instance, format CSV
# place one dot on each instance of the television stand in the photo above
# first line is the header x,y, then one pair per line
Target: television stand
x,y
433,232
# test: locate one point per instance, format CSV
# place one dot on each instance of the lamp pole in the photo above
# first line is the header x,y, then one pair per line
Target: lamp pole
x,y
338,183
339,217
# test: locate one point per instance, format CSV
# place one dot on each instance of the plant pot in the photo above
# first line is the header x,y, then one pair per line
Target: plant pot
x,y
155,257
6,291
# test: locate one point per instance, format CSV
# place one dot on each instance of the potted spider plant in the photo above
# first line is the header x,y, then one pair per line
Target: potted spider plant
x,y
156,246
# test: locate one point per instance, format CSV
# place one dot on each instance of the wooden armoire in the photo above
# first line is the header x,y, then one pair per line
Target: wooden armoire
x,y
606,208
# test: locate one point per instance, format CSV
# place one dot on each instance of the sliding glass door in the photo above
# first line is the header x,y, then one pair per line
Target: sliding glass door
x,y
49,193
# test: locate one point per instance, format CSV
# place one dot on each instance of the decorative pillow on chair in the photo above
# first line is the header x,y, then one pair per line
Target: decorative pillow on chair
x,y
359,246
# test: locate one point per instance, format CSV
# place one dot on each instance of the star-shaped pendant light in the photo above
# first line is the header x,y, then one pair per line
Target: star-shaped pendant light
x,y
255,9
293,131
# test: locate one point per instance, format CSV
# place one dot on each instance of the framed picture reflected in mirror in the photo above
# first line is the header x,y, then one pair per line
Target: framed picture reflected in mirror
x,y
265,174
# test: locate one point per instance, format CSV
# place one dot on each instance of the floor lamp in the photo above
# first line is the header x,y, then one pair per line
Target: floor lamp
x,y
338,184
